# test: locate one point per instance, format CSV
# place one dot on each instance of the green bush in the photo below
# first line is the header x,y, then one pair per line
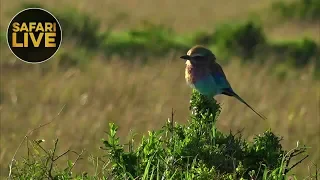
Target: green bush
x,y
148,40
298,52
80,57
198,150
300,9
241,39
193,151
81,28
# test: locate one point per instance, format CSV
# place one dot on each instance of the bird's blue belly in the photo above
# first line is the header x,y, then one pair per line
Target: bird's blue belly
x,y
207,86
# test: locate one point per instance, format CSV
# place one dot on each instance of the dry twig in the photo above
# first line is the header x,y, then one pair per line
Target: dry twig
x,y
26,137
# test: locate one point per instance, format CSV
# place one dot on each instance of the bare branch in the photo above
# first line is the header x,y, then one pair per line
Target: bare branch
x,y
26,137
79,155
287,170
62,155
41,148
52,158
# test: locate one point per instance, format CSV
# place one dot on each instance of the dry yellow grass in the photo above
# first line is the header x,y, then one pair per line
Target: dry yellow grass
x,y
141,97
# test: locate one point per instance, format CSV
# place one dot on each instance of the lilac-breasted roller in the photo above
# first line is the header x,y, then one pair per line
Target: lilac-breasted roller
x,y
204,74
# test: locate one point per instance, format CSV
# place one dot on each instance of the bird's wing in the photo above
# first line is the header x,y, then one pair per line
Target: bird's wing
x,y
222,82
219,76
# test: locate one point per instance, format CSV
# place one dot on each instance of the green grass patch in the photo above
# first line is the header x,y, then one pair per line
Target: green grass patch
x,y
299,9
298,52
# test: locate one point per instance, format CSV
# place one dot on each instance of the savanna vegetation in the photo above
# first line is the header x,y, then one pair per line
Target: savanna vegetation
x,y
118,77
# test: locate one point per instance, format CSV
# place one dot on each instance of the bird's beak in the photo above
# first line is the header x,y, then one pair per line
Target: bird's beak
x,y
186,57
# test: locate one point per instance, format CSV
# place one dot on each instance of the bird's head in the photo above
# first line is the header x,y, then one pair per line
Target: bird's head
x,y
199,55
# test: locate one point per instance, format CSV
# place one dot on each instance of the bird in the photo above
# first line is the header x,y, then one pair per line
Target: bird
x,y
203,73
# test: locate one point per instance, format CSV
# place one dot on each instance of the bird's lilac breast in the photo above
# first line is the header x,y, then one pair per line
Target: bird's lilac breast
x,y
192,73
201,80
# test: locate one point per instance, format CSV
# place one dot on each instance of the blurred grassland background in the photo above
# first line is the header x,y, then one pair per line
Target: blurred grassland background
x,y
119,62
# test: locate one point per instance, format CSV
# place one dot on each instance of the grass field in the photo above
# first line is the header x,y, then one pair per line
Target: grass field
x,y
140,97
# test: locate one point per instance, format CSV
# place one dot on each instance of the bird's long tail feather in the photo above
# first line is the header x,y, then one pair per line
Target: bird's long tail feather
x,y
232,93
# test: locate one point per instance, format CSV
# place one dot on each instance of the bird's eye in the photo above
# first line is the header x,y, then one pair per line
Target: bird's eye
x,y
197,58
